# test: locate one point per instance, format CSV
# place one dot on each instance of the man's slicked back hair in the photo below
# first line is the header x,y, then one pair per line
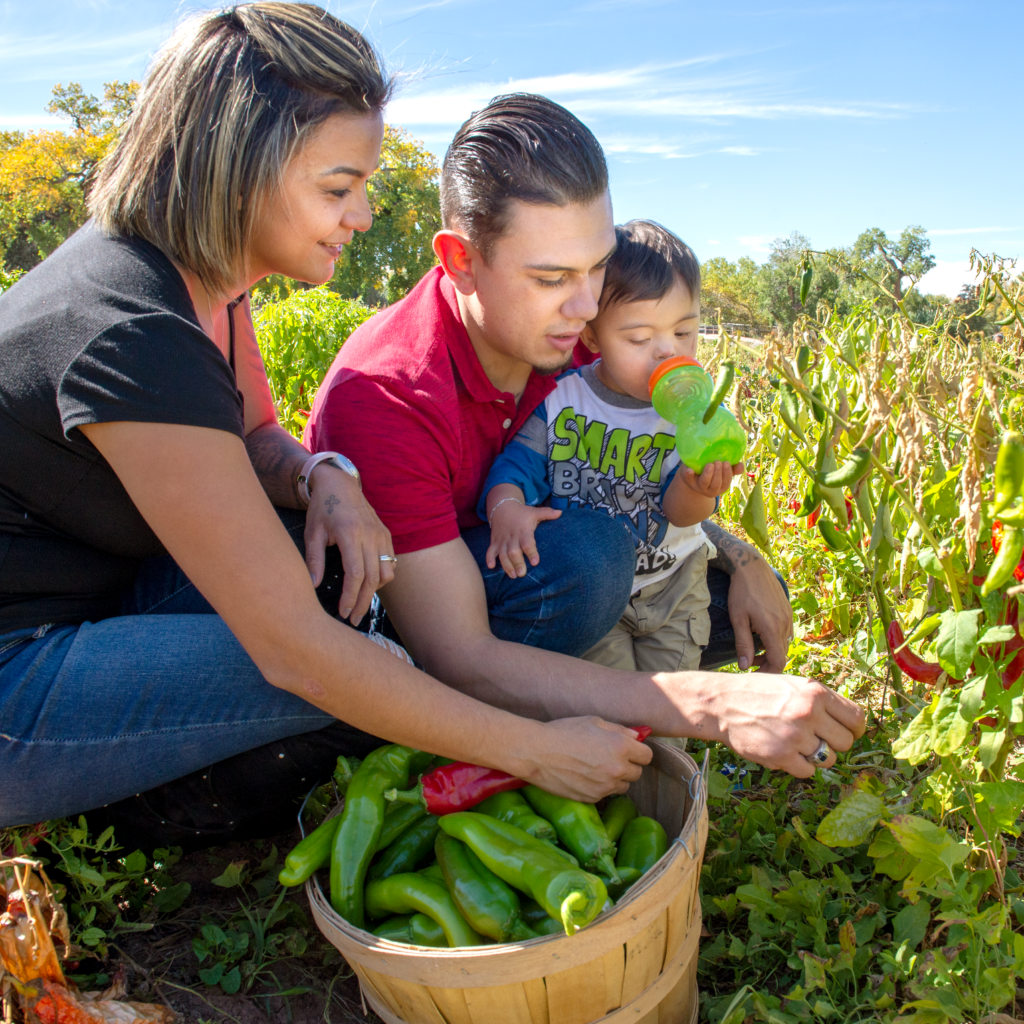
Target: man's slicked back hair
x,y
519,148
647,260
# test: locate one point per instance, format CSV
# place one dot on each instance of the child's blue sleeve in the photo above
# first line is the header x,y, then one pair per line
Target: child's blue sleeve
x,y
524,462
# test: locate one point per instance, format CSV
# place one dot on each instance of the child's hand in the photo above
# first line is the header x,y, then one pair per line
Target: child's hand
x,y
715,479
512,528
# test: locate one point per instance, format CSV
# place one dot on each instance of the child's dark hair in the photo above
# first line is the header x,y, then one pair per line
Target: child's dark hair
x,y
646,262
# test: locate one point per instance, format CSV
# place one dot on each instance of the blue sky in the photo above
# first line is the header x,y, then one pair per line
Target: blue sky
x,y
733,122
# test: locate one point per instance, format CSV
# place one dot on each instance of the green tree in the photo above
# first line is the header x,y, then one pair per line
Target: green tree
x,y
45,176
778,282
381,265
893,263
729,294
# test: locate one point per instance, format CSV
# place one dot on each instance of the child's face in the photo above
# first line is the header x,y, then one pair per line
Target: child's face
x,y
634,337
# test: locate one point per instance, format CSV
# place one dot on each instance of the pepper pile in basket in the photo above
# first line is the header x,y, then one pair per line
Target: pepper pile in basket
x,y
522,863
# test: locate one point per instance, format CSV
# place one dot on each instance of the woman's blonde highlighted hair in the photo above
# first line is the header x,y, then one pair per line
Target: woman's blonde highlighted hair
x,y
224,106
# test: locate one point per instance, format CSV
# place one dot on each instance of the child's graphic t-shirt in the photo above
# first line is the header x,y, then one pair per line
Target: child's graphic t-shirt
x,y
587,446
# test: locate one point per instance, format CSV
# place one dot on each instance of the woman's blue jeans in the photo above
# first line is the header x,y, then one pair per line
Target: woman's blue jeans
x,y
95,713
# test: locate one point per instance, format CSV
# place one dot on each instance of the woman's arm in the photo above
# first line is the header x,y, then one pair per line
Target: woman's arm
x,y
338,513
197,490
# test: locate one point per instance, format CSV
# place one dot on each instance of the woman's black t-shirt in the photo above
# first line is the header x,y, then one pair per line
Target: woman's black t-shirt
x,y
103,330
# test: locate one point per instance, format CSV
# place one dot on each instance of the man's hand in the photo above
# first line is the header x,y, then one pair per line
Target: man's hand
x,y
757,603
339,514
778,721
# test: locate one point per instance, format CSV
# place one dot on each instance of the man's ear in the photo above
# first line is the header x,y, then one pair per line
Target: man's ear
x,y
458,258
589,338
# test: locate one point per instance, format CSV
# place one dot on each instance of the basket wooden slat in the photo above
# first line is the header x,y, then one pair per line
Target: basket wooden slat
x,y
635,962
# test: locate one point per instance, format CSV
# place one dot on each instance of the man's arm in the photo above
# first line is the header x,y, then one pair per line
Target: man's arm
x,y
757,604
439,607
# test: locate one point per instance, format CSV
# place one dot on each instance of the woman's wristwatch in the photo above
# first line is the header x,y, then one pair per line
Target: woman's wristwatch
x,y
335,459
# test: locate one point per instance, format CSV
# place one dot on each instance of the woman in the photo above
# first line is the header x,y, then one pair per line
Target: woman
x,y
162,649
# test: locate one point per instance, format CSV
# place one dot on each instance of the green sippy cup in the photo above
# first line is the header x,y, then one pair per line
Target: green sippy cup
x,y
681,391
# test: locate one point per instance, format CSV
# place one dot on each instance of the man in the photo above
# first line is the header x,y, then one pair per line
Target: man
x,y
425,394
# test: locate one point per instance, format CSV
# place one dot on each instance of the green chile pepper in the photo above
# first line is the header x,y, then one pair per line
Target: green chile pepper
x,y
832,537
855,467
579,828
511,806
414,929
490,905
398,818
803,359
805,284
409,850
811,500
617,815
1006,560
726,374
568,894
789,409
627,876
643,844
533,913
433,871
362,820
755,518
425,931
310,854
818,403
1009,476
411,892
395,928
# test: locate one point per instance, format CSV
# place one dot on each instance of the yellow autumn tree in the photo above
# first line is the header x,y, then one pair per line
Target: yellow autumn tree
x,y
45,175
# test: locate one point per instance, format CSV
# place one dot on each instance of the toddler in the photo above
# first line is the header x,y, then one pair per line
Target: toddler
x,y
596,442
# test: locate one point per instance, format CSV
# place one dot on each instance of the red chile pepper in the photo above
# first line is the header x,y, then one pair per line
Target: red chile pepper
x,y
812,519
997,543
460,786
912,664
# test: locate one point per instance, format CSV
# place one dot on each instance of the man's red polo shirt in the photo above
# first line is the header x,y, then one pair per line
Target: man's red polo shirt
x,y
407,400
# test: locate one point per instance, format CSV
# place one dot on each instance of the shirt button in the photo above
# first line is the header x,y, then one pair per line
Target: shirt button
x,y
506,424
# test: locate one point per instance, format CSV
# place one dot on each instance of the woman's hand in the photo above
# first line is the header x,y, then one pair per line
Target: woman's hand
x,y
583,758
339,514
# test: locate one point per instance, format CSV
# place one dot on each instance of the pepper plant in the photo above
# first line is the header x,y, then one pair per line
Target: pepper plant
x,y
885,477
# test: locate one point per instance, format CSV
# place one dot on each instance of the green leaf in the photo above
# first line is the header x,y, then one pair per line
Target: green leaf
x,y
927,559
755,898
171,898
211,975
999,805
914,744
92,936
997,635
890,858
852,822
990,745
719,786
135,863
971,696
911,924
231,981
231,876
958,640
949,727
927,841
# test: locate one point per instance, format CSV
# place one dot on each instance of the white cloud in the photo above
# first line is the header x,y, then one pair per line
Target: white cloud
x,y
967,231
947,277
714,241
757,243
31,122
740,150
673,91
36,47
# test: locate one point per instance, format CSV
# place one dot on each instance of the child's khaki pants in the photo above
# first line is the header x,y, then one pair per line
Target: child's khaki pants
x,y
665,625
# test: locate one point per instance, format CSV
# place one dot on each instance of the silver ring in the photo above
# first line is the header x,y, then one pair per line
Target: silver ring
x,y
821,753
388,558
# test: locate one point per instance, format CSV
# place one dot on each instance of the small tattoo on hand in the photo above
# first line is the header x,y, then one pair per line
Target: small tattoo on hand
x,y
332,503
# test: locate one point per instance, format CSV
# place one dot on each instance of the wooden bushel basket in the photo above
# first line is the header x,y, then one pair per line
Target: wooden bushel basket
x,y
636,962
